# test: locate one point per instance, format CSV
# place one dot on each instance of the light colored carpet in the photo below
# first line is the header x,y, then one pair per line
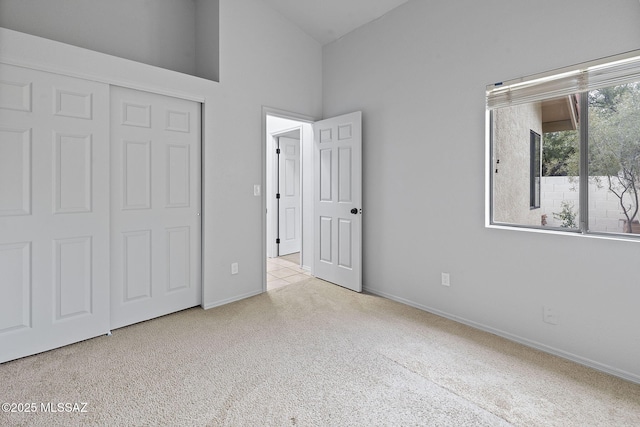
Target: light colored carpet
x,y
312,354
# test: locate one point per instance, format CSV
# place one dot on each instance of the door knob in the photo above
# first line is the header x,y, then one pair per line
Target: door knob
x,y
354,211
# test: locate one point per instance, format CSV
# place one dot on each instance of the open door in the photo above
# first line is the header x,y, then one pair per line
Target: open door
x,y
288,201
338,200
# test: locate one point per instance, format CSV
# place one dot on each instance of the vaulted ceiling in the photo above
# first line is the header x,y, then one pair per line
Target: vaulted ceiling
x,y
328,20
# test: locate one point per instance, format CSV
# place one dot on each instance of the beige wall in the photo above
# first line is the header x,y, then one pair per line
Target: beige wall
x,y
512,128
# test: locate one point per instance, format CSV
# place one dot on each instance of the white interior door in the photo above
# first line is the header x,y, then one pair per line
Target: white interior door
x,y
338,200
289,186
155,205
54,211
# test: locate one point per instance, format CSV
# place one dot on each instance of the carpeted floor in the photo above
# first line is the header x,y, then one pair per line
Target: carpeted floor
x,y
311,354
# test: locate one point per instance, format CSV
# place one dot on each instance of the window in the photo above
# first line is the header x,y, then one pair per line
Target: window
x,y
580,170
534,170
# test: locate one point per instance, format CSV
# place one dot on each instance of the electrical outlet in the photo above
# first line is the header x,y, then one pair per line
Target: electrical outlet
x,y
234,268
549,315
256,190
446,280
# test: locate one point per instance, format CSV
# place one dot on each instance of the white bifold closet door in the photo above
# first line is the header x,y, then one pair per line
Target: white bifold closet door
x,y
54,211
155,205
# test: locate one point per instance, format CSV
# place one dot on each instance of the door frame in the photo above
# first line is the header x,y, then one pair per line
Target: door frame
x,y
267,140
25,50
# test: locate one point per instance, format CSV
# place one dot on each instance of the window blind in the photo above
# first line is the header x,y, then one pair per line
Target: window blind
x,y
606,72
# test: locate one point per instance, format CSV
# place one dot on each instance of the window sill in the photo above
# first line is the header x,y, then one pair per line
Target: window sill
x,y
542,230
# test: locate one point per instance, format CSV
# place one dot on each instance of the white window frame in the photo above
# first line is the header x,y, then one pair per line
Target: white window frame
x,y
579,78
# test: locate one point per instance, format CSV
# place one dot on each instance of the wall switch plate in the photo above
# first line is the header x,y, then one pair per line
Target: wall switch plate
x,y
234,268
256,190
446,280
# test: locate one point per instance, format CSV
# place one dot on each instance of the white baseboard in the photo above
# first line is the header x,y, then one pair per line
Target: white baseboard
x,y
230,300
524,341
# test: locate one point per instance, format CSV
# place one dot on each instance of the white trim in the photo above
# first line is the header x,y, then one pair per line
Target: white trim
x,y
488,161
286,131
230,300
559,232
25,50
511,337
130,84
283,114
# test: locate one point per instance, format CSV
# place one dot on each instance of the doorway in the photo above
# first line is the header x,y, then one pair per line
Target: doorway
x,y
330,192
288,198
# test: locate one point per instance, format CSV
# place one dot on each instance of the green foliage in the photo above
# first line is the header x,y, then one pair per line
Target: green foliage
x,y
567,215
606,100
614,136
560,153
614,149
614,143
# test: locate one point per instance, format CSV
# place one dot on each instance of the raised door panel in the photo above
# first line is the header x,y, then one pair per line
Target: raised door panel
x,y
178,121
133,114
15,306
136,174
73,173
326,240
73,278
73,104
136,262
290,230
178,258
326,175
15,171
345,180
15,95
345,243
290,178
178,176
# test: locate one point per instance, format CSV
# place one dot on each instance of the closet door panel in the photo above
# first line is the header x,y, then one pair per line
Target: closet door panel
x,y
155,205
54,211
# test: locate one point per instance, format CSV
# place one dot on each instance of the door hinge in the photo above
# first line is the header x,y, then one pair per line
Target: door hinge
x,y
277,195
277,241
277,151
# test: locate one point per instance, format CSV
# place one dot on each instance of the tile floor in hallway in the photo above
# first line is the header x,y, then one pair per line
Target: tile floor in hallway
x,y
284,271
